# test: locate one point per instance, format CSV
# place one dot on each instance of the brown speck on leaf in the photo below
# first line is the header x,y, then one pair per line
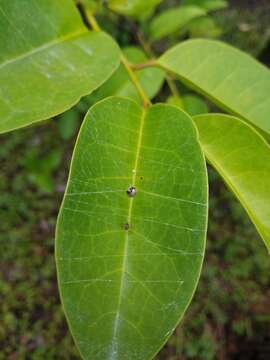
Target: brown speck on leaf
x,y
126,226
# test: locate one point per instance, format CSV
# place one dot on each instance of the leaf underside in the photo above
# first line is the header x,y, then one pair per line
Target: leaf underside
x,y
128,267
45,70
232,79
242,157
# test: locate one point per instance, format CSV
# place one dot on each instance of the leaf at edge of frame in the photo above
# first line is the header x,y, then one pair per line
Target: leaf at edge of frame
x,y
173,19
131,258
229,77
242,157
45,73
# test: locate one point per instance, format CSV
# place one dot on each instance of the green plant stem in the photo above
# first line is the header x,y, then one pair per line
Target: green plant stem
x,y
134,79
132,74
172,86
148,50
150,63
92,21
145,44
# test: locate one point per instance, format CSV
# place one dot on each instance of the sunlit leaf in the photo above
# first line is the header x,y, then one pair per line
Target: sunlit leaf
x,y
232,79
242,157
48,60
170,21
128,266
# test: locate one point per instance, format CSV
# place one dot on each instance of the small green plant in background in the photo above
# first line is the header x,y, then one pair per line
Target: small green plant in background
x,y
130,238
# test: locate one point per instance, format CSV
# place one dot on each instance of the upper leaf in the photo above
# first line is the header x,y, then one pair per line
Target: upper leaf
x,y
242,157
208,5
133,7
229,77
128,266
204,27
173,19
48,60
92,5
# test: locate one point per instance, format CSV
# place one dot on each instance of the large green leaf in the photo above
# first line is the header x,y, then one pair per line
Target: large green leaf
x,y
128,266
170,21
232,79
48,60
119,84
242,157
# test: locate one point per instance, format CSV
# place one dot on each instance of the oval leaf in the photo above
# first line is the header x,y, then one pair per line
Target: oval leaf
x,y
129,265
229,77
48,60
242,157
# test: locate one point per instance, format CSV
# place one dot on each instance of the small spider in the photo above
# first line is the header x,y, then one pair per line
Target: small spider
x,y
131,191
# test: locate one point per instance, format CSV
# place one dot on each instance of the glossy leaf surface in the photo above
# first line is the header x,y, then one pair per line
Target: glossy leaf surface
x,y
230,78
48,60
128,266
242,157
170,21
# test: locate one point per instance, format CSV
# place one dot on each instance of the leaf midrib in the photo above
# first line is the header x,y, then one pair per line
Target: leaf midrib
x,y
126,247
43,47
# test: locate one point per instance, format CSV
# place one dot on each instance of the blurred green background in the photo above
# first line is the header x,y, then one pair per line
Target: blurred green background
x,y
229,317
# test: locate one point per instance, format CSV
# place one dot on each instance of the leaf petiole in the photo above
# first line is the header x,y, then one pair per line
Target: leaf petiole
x,y
133,77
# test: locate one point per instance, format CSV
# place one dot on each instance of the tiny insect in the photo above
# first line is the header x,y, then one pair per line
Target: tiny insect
x,y
131,191
126,226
